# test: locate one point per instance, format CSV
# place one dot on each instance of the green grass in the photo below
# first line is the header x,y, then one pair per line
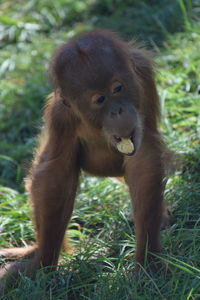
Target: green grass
x,y
101,226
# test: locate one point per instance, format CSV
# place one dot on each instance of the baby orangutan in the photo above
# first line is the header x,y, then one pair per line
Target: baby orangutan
x,y
101,118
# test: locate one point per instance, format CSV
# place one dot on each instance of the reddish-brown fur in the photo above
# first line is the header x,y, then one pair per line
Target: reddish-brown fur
x,y
80,129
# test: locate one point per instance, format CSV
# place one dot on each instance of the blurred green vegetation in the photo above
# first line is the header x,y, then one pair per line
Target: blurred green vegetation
x,y
31,30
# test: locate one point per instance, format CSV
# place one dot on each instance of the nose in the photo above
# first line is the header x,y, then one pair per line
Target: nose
x,y
116,111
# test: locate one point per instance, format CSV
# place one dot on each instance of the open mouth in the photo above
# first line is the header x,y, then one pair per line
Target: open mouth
x,y
125,145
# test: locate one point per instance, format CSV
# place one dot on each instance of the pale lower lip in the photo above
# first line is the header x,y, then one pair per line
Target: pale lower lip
x,y
126,147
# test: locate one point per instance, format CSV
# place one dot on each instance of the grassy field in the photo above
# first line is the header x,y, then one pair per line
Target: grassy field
x,y
100,231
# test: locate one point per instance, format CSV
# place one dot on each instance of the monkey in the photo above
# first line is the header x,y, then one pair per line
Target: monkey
x,y
101,118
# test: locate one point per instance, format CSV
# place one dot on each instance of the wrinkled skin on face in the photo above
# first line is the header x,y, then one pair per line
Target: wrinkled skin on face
x,y
104,91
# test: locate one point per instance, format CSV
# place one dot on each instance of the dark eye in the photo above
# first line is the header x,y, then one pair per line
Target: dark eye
x,y
98,99
116,87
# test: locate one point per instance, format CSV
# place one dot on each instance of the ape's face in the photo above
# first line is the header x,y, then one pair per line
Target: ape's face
x,y
102,88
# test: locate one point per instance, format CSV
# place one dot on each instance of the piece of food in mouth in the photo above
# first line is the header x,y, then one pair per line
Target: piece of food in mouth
x,y
125,146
